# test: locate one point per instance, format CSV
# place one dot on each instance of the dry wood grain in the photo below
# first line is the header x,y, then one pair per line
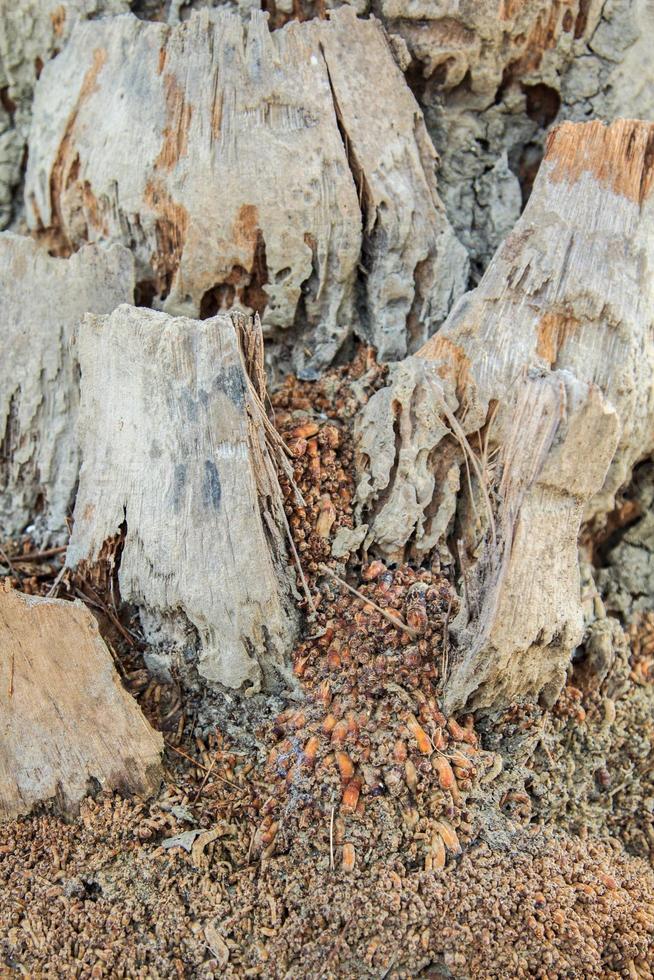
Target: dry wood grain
x,y
68,726
286,173
42,300
537,396
174,450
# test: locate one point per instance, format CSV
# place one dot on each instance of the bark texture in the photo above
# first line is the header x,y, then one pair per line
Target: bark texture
x,y
538,393
41,302
31,32
174,450
490,76
68,725
493,76
288,174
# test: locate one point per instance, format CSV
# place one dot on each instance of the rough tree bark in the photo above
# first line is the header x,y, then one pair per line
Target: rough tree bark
x,y
176,453
167,140
538,394
41,302
490,76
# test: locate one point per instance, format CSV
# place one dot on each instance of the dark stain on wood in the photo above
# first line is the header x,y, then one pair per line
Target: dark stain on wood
x,y
211,489
230,383
179,483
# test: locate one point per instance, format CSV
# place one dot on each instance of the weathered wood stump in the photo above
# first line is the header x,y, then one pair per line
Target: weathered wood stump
x,y
42,300
286,173
174,452
537,396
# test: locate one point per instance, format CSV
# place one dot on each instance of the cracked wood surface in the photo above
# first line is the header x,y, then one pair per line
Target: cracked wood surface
x,y
565,306
67,725
174,449
41,302
289,174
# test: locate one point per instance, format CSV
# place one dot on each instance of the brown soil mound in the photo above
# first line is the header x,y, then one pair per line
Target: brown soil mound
x,y
102,897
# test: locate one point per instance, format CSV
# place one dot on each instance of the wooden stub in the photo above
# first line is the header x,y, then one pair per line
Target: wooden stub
x,y
41,302
569,290
67,725
562,317
174,448
523,613
286,173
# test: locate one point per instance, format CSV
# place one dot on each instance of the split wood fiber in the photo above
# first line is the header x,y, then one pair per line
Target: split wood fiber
x,y
537,394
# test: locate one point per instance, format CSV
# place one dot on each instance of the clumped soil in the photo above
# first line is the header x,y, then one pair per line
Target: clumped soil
x,y
351,829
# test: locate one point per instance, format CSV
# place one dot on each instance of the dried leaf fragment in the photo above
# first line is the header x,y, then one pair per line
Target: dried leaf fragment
x,y
444,772
216,943
420,735
349,857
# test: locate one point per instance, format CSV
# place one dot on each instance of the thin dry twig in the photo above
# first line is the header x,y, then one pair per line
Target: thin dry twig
x,y
296,558
464,573
186,756
206,776
484,453
206,769
40,555
116,659
331,840
387,616
468,450
446,640
94,599
7,561
270,455
52,591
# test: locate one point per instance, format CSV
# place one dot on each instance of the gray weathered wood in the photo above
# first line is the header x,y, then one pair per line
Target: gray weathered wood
x,y
523,614
68,725
31,32
41,302
544,375
173,447
287,173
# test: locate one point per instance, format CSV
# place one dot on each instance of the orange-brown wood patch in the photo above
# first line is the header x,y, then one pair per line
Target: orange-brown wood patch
x,y
553,330
620,156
